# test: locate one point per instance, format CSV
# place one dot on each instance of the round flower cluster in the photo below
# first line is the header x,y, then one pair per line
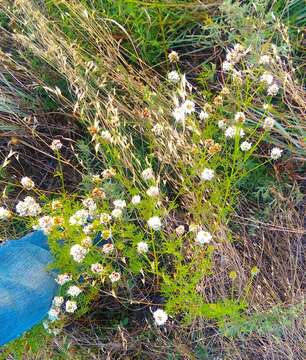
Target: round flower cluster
x,y
27,183
78,253
79,218
4,213
45,224
28,207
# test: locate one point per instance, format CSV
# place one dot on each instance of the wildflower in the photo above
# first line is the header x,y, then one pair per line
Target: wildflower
x,y
239,117
71,306
95,178
237,77
56,204
108,173
136,199
27,183
108,248
79,218
142,247
4,213
226,66
57,301
28,207
119,204
88,229
273,90
267,78
160,317
148,174
225,91
153,191
265,59
45,223
90,204
179,114
106,135
78,253
155,223
222,124
56,145
203,115
276,153
203,237
105,218
117,213
173,57
188,106
114,276
214,148
245,146
86,241
180,230
218,100
96,268
207,174
207,107
53,314
173,76
98,193
63,279
267,107
268,123
74,291
231,132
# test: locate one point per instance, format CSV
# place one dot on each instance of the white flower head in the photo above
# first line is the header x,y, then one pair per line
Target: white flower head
x,y
114,276
56,145
142,247
4,213
222,124
276,153
78,252
268,123
108,248
117,213
160,317
203,237
239,117
179,114
53,314
106,135
245,146
148,174
57,301
203,115
28,207
90,204
180,230
231,132
226,66
265,59
96,268
45,223
153,191
136,199
173,57
79,218
155,223
267,78
63,279
188,106
71,306
105,218
88,229
74,291
86,241
174,77
273,90
119,204
27,183
207,174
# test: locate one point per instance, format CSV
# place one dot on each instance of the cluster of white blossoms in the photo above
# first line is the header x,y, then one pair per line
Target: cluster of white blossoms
x,y
45,224
96,268
106,135
80,217
62,279
160,317
4,213
268,123
207,174
90,204
74,291
148,174
136,199
180,112
119,206
78,252
71,306
142,247
268,80
114,276
245,146
155,223
56,145
153,191
203,237
233,56
28,207
276,153
27,183
174,77
232,131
